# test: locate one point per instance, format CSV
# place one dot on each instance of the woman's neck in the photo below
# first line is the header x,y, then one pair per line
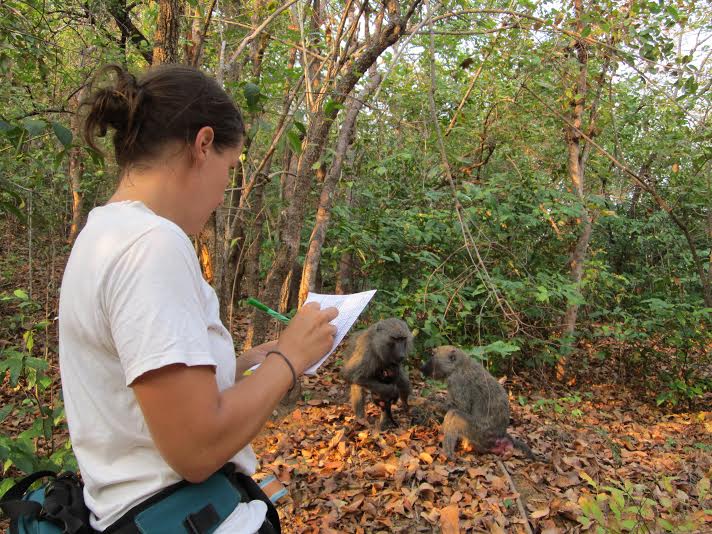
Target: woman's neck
x,y
158,191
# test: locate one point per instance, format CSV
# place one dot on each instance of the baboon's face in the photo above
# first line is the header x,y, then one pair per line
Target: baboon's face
x,y
395,337
443,362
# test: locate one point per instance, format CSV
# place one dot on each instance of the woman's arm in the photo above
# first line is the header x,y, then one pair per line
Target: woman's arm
x,y
197,428
252,357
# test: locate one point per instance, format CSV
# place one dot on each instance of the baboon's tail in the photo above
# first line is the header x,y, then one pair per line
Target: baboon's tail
x,y
518,444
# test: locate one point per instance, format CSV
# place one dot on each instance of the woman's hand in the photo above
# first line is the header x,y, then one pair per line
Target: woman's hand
x,y
308,336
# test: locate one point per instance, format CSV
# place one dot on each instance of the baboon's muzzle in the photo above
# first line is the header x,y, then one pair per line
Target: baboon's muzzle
x,y
427,367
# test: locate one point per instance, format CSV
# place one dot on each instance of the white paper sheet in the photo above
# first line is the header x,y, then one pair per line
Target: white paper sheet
x,y
349,306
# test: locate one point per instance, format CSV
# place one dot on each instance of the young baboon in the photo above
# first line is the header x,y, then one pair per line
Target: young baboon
x,y
374,361
478,405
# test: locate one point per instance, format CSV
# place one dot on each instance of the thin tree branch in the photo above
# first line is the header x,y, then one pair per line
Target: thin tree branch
x,y
247,40
199,49
471,246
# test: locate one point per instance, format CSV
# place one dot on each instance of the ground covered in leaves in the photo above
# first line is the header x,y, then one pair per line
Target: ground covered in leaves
x,y
613,462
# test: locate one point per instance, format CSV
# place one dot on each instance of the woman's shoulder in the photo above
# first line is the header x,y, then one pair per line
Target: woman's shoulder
x,y
127,222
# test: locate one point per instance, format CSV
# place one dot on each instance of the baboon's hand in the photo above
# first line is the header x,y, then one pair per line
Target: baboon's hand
x,y
309,336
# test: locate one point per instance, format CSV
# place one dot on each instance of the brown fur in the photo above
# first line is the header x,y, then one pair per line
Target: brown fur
x,y
478,407
374,362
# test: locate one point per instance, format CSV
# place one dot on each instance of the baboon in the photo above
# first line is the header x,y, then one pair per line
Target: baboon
x,y
478,407
374,361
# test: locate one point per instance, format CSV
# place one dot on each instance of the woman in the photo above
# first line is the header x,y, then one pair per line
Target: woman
x,y
148,370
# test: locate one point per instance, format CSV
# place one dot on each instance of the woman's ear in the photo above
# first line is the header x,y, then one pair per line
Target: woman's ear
x,y
203,141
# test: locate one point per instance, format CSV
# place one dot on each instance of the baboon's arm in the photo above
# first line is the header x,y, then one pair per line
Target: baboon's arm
x,y
385,391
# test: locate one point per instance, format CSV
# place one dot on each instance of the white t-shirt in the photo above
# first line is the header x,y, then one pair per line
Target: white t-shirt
x,y
133,299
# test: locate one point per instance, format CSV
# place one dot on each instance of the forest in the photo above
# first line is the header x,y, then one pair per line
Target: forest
x,y
527,180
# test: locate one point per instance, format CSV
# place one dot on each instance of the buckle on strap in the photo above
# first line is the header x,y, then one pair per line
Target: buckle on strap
x,y
202,520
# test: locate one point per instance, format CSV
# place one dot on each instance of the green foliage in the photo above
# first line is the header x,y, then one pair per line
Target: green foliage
x,y
38,447
561,405
666,340
627,507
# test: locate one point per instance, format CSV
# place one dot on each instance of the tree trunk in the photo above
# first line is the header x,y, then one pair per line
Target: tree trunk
x,y
344,278
323,215
290,225
76,172
129,32
576,174
252,278
76,160
165,40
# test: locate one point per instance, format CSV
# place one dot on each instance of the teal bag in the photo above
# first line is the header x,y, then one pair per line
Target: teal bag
x,y
192,508
55,507
182,508
33,525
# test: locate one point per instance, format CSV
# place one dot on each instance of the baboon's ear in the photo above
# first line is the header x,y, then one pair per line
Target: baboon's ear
x,y
453,355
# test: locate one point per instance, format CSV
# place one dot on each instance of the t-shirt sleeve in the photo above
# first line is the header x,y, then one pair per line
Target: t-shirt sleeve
x,y
153,302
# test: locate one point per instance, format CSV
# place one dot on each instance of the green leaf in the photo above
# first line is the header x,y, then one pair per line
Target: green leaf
x,y
667,525
36,363
542,294
34,126
587,478
592,509
500,347
20,294
317,165
5,411
29,340
63,134
295,142
628,524
6,484
331,107
14,365
252,95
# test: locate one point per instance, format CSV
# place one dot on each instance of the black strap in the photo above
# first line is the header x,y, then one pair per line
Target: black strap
x,y
201,521
14,505
267,528
21,486
248,488
17,509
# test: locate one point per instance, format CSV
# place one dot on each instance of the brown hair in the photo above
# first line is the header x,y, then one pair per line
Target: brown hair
x,y
168,103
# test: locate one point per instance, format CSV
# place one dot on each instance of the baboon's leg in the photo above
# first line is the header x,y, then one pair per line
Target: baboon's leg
x,y
403,385
455,425
386,420
357,400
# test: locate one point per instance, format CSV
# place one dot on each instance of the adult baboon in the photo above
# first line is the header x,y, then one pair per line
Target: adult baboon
x,y
374,361
478,406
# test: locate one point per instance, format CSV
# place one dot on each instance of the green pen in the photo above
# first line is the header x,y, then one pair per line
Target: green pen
x,y
269,311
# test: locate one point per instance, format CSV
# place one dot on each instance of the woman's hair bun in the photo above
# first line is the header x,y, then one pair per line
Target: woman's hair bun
x,y
116,106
